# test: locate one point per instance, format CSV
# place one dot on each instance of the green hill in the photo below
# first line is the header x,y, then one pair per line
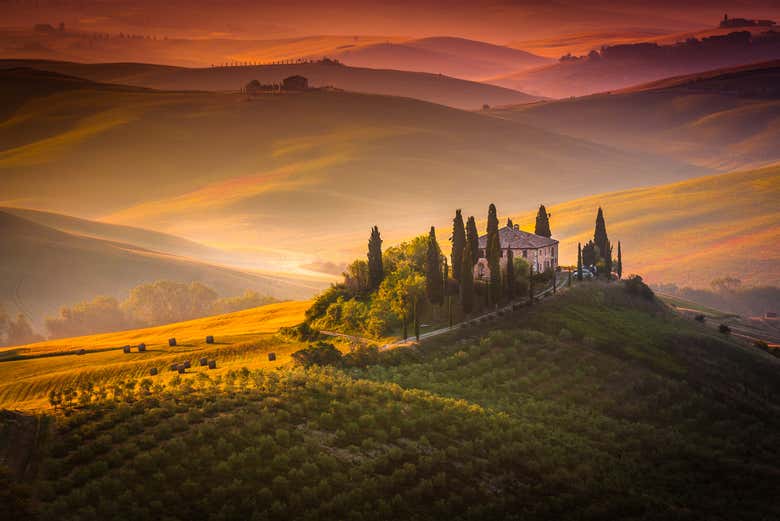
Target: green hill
x,y
289,177
42,269
595,405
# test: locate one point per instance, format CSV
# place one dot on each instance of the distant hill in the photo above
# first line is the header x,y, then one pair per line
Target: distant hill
x,y
619,66
689,233
724,119
293,178
42,269
435,88
457,57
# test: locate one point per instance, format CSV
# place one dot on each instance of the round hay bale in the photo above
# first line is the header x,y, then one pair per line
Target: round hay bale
x,y
212,364
81,352
174,367
187,364
126,349
141,348
209,339
153,371
204,362
271,357
172,342
182,369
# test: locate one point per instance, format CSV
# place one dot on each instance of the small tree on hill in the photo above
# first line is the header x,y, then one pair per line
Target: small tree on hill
x,y
601,240
458,243
472,237
579,261
467,280
433,280
375,268
619,268
543,223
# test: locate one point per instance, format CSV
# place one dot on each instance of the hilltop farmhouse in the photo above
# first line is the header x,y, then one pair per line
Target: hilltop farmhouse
x,y
540,252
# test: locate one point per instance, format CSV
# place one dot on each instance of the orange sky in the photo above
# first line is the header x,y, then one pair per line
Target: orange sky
x,y
497,21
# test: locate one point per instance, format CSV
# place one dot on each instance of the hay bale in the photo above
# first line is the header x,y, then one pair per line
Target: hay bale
x,y
187,364
209,339
153,371
81,352
174,367
182,369
171,342
204,362
141,348
126,349
212,364
271,357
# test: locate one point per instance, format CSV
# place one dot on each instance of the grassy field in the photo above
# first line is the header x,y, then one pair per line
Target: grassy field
x,y
597,404
243,338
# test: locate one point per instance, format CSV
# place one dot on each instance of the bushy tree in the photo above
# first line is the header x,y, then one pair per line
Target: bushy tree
x,y
164,301
590,254
375,268
433,279
357,278
543,223
20,331
321,353
458,243
101,315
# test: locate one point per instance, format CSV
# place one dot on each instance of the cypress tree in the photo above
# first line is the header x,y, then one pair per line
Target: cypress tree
x,y
472,237
543,223
619,269
433,279
458,242
601,240
467,280
510,274
376,271
579,261
493,254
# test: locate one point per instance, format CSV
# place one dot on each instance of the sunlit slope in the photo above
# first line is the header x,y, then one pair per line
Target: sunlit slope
x,y
435,88
723,119
690,232
42,269
306,172
242,338
457,57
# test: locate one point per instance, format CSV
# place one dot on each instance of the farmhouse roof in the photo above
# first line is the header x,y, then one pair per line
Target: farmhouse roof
x,y
518,240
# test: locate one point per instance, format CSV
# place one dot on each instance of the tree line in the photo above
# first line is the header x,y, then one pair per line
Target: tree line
x,y
392,290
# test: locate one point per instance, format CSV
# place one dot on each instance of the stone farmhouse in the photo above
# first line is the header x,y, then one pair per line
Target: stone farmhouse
x,y
540,252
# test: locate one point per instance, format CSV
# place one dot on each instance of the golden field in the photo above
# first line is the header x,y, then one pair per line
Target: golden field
x,y
242,339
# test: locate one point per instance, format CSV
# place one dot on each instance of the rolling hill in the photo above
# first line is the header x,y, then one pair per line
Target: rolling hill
x,y
489,422
435,88
297,177
690,232
42,269
620,66
722,119
456,57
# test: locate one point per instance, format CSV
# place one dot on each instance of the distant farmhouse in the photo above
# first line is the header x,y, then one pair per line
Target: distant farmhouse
x,y
295,83
540,252
292,83
744,22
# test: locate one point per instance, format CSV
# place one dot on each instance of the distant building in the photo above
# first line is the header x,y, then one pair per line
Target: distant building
x,y
540,252
744,22
295,83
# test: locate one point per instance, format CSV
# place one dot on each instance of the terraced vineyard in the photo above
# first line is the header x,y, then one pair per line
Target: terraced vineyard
x,y
598,404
